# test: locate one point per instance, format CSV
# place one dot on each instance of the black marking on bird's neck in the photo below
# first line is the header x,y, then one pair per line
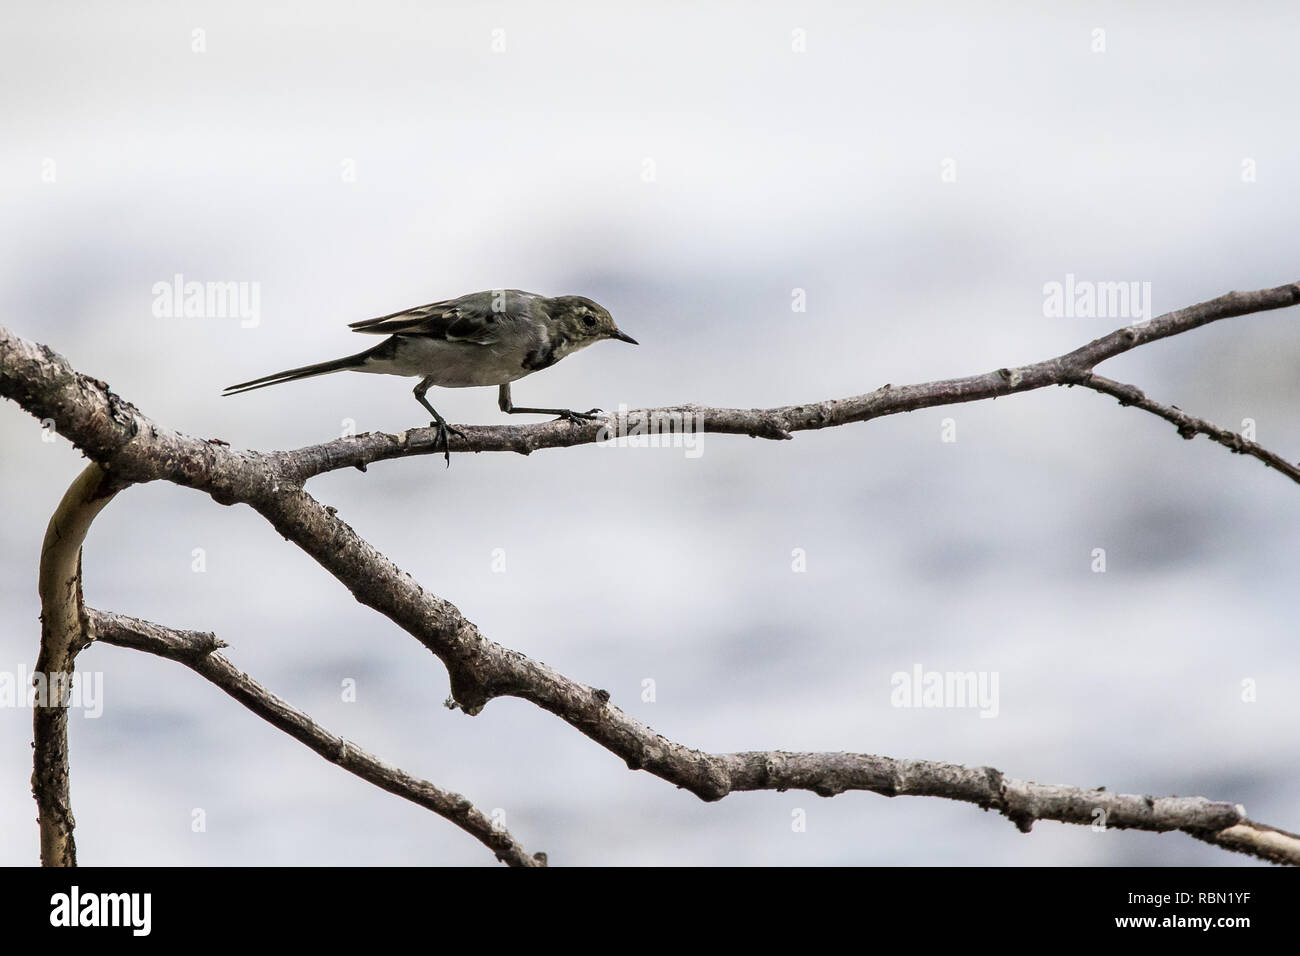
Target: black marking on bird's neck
x,y
547,353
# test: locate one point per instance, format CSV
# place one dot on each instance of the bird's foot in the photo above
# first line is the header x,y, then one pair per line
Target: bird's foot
x,y
445,432
578,418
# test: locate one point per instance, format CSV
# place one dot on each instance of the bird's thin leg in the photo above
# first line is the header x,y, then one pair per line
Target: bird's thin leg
x,y
507,406
438,421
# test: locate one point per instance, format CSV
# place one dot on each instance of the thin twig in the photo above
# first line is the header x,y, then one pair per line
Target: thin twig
x,y
198,651
1189,426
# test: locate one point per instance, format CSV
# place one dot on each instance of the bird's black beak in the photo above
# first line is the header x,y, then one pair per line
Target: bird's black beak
x,y
623,337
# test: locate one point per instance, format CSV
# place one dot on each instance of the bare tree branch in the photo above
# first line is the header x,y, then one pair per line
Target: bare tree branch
x,y
62,636
100,423
1022,802
1189,426
198,652
68,627
132,448
1256,839
825,774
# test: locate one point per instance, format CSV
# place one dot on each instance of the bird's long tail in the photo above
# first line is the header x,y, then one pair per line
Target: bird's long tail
x,y
306,371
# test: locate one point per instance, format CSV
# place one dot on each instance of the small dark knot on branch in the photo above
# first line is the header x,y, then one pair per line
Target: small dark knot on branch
x,y
777,429
1024,822
1127,395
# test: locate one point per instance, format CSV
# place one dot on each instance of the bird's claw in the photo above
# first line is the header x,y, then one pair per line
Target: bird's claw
x,y
578,418
445,432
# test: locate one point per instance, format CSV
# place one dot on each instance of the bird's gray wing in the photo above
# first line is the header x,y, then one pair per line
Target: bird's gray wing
x,y
478,318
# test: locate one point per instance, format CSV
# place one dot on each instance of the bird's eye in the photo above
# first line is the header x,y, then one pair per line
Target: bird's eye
x,y
589,320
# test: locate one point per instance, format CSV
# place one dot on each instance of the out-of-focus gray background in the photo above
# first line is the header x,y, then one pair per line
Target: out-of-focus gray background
x,y
355,160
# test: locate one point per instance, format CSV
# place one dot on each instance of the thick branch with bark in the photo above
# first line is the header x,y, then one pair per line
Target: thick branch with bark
x,y
132,448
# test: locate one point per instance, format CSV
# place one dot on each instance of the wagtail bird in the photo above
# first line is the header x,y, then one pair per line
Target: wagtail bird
x,y
484,338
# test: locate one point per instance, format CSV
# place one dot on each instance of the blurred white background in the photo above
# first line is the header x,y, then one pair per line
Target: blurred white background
x,y
478,167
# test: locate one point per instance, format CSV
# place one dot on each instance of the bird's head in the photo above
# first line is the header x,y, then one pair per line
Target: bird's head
x,y
584,322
